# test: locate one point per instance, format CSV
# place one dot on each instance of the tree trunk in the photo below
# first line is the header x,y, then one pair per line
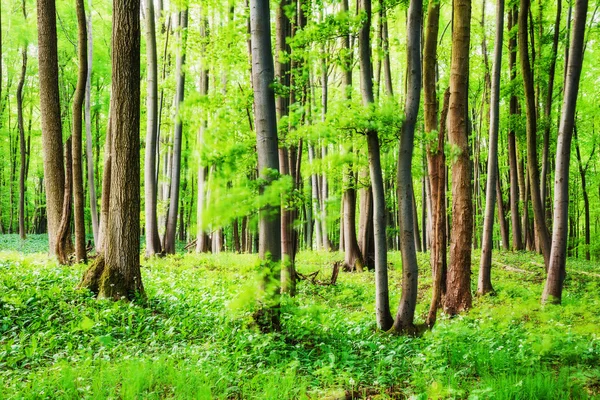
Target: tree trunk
x,y
54,171
353,259
88,131
586,199
365,222
22,144
543,235
557,267
458,292
513,162
382,306
502,214
116,274
484,284
548,107
169,245
153,245
77,137
406,204
265,122
106,181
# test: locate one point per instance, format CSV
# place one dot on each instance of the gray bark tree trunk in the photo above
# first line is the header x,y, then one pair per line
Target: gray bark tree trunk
x,y
77,137
22,144
484,284
153,245
558,255
88,131
410,269
170,236
382,303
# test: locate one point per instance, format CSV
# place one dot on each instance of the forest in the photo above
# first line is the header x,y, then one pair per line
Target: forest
x,y
299,199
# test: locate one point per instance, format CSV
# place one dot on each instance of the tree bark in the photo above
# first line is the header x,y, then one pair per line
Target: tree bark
x,y
382,306
557,266
543,235
77,137
410,269
153,245
169,245
22,144
265,122
458,291
88,130
116,273
484,285
586,199
64,229
54,171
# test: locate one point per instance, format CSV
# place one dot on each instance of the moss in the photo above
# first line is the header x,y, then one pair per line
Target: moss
x,y
92,276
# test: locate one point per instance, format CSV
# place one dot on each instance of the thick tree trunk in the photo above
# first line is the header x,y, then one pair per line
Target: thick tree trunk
x,y
54,171
77,138
382,306
22,144
169,245
458,291
153,245
265,122
116,274
543,235
484,284
88,131
558,257
410,269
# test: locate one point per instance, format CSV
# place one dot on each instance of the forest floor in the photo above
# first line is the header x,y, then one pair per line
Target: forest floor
x,y
194,336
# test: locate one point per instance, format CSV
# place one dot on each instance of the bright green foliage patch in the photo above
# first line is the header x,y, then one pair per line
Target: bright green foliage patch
x,y
194,338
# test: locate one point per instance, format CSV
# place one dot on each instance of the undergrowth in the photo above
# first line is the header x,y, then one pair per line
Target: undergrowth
x,y
194,337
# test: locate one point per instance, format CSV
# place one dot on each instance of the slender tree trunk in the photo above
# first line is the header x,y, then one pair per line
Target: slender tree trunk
x,y
435,157
88,130
586,199
22,144
502,214
548,107
557,267
64,229
458,292
517,237
484,284
543,235
54,171
177,139
106,180
150,185
382,307
410,269
78,99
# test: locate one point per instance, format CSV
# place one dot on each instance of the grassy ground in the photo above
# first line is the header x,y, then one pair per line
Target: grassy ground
x,y
194,338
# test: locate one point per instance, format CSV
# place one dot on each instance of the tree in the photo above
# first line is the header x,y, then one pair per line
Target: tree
x,y
22,144
153,245
116,274
543,235
558,255
484,284
458,289
382,305
54,171
410,269
78,99
265,123
169,243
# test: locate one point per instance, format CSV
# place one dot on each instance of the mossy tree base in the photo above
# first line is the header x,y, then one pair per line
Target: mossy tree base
x,y
110,283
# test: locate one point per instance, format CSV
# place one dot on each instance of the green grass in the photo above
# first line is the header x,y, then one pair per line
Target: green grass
x,y
194,338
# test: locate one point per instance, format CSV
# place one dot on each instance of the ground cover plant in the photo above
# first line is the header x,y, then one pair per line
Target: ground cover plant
x,y
194,336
